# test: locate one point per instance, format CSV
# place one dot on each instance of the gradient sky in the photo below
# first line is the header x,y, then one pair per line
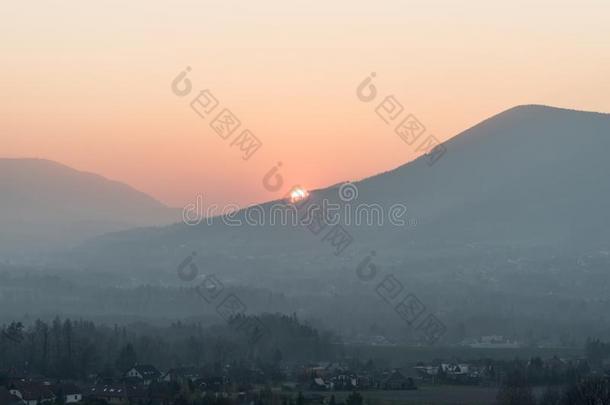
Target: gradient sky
x,y
88,83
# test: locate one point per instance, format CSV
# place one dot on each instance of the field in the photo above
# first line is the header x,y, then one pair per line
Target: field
x,y
432,395
401,356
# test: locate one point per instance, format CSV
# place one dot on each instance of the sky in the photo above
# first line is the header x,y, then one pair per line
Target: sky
x,y
89,84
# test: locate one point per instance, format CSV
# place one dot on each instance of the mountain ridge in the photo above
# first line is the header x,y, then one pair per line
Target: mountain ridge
x,y
47,205
529,177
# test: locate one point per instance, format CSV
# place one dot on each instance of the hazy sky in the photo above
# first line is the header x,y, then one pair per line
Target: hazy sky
x,y
88,83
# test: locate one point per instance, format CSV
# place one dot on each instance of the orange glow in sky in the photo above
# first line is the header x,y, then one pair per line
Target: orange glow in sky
x,y
88,84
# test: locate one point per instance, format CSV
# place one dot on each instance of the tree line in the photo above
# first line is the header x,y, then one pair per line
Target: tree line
x,y
76,349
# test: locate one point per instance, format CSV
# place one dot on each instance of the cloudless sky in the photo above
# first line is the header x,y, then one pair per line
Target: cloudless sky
x,y
88,83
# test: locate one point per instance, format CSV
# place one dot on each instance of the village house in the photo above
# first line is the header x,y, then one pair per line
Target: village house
x,y
116,393
32,393
344,382
6,398
143,372
460,373
318,384
182,374
70,393
397,381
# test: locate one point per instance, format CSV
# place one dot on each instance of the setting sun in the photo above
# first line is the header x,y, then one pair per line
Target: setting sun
x,y
298,194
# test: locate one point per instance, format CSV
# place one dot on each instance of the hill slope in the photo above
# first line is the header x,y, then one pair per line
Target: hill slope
x,y
45,205
530,177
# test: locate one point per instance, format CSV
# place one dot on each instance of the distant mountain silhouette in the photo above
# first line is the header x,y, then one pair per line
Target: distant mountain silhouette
x,y
45,205
530,177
